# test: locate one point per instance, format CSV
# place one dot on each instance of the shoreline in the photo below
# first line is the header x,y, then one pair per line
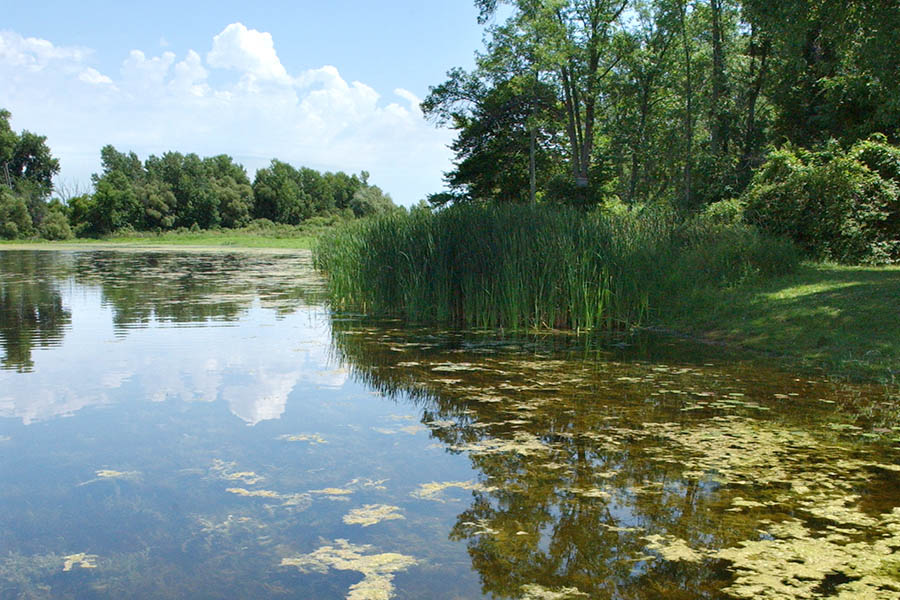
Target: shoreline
x,y
841,320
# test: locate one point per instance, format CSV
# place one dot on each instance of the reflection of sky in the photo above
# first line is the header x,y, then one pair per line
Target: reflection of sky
x,y
252,364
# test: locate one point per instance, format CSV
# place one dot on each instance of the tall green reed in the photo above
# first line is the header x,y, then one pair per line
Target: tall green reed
x,y
526,266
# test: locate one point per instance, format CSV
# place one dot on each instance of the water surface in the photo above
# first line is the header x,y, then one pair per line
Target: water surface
x,y
198,425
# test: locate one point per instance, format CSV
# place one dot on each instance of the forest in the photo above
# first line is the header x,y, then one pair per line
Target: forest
x,y
174,191
782,108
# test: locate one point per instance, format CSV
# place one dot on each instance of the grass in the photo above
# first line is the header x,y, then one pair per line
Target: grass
x,y
845,319
260,234
519,267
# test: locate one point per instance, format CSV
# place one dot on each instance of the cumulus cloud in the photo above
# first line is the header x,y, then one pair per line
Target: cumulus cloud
x,y
249,51
36,54
241,100
93,76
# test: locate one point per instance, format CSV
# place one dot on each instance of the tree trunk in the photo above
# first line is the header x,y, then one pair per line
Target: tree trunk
x,y
688,107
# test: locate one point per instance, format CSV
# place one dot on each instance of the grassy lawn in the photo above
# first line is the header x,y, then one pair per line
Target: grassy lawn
x,y
844,319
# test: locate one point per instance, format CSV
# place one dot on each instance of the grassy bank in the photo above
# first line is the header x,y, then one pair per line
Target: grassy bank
x,y
843,319
537,266
258,235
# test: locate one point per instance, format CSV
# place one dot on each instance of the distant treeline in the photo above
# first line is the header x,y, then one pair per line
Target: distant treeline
x,y
165,192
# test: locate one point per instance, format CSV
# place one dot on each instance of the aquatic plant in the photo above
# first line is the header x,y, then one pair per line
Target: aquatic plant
x,y
536,266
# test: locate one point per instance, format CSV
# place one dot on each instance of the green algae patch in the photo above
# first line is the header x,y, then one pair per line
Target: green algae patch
x,y
790,561
522,443
378,570
371,514
433,490
533,591
673,549
226,471
293,501
254,493
80,560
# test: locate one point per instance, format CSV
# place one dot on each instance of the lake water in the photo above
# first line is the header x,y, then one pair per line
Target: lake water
x,y
197,425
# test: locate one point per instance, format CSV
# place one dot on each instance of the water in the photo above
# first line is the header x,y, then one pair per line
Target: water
x,y
198,425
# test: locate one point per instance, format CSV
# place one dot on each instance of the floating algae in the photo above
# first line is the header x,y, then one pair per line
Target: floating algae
x,y
82,560
295,501
225,470
791,562
432,491
522,443
370,514
533,591
673,549
254,493
410,429
312,438
333,493
377,569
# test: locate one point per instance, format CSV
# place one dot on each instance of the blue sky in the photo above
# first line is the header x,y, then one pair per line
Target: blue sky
x,y
331,85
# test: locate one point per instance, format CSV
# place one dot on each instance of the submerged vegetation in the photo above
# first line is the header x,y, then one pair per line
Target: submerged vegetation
x,y
526,266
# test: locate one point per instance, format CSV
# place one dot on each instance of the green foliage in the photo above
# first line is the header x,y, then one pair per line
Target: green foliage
x,y
15,222
370,200
284,194
56,226
280,196
837,205
724,212
27,159
536,266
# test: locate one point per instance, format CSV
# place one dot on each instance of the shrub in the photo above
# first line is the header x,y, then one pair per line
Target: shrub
x,y
836,205
15,220
724,212
56,226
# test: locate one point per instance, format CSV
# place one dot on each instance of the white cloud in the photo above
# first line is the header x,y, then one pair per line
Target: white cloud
x,y
147,72
36,54
190,76
246,50
414,101
93,76
241,101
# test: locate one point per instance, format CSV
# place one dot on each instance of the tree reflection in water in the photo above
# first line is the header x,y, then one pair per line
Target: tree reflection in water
x,y
31,307
609,476
141,288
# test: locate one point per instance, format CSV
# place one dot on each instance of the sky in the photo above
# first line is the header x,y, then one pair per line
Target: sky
x,y
330,85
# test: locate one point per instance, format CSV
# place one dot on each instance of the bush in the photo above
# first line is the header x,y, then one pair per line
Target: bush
x,y
15,220
836,205
724,212
56,226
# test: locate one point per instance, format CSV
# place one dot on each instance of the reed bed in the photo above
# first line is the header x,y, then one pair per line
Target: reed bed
x,y
534,266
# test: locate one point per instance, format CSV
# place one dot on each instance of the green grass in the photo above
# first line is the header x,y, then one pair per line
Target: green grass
x,y
257,235
520,267
845,319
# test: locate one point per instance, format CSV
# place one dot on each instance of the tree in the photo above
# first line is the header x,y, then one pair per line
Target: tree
x,y
833,67
369,200
279,195
27,167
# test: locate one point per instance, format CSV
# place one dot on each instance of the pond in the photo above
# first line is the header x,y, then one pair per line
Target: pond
x,y
197,424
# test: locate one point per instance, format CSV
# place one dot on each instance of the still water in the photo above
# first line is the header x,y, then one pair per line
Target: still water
x,y
197,425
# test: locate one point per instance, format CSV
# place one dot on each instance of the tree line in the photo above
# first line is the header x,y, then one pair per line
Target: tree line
x,y
587,102
166,192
